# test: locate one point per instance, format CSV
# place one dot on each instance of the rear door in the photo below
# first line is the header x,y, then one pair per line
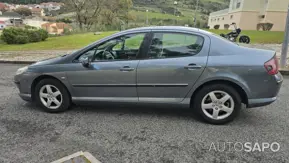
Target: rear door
x,y
173,64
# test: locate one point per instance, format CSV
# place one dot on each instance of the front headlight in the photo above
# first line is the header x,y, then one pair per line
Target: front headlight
x,y
21,70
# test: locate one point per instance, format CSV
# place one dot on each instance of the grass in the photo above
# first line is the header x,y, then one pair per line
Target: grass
x,y
77,41
260,37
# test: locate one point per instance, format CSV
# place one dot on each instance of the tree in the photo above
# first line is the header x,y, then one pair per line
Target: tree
x,y
23,11
118,9
87,11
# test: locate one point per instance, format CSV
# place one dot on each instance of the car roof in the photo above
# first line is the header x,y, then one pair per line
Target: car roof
x,y
169,28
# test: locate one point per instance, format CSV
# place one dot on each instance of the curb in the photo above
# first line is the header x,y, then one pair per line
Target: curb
x,y
284,71
17,62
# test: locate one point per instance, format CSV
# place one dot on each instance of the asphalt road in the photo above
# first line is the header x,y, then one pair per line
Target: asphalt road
x,y
137,134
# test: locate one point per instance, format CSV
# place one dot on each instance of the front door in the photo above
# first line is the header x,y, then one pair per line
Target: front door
x,y
111,75
174,63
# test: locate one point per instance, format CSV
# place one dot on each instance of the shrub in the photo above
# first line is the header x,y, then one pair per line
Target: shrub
x,y
64,20
265,26
226,26
23,36
29,27
44,34
216,26
22,39
66,31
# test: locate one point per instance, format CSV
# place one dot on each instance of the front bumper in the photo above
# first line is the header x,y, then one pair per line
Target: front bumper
x,y
24,96
24,82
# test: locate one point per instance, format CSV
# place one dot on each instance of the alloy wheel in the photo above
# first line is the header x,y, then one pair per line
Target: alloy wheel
x,y
218,105
50,96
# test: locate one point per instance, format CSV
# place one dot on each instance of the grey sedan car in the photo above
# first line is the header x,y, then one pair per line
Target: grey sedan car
x,y
157,65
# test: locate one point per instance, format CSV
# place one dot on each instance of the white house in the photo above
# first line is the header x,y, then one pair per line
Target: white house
x,y
2,25
11,18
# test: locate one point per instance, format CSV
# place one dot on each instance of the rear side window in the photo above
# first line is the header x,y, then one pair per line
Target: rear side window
x,y
173,45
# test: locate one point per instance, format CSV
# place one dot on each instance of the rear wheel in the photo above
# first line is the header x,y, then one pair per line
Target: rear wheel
x,y
218,103
52,96
244,39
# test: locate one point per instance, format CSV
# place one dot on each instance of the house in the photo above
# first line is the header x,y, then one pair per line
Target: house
x,y
248,13
37,12
52,6
56,28
2,25
34,22
11,18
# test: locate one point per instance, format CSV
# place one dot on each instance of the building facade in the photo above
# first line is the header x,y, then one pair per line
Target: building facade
x,y
248,13
56,28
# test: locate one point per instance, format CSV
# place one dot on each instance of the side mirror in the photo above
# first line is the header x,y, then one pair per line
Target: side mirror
x,y
86,63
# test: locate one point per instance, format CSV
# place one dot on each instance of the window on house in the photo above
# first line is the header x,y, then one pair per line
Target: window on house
x,y
238,5
232,16
223,18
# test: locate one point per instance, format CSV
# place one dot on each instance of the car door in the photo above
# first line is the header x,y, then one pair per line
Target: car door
x,y
111,75
173,64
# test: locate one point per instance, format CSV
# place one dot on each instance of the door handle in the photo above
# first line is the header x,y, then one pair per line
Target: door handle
x,y
193,67
127,68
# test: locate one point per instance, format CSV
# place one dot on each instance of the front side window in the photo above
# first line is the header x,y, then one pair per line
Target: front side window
x,y
120,48
173,45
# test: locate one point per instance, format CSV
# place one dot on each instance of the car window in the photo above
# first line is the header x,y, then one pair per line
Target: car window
x,y
171,45
121,48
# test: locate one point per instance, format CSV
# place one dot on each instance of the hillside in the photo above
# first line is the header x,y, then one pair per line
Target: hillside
x,y
164,12
167,6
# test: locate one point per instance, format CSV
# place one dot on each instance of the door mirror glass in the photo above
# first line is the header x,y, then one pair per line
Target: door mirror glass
x,y
86,63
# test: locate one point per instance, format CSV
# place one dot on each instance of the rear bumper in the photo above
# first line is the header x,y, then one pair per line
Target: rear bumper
x,y
252,103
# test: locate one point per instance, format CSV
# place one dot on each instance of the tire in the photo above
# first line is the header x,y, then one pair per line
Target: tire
x,y
233,104
244,39
64,100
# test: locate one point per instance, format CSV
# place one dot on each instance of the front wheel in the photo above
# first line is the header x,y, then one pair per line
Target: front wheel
x,y
218,103
52,96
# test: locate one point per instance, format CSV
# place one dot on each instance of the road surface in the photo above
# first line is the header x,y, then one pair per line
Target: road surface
x,y
137,134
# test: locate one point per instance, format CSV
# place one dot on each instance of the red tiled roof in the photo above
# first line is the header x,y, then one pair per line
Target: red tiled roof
x,y
3,6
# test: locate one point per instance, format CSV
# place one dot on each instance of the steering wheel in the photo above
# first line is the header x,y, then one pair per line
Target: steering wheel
x,y
108,55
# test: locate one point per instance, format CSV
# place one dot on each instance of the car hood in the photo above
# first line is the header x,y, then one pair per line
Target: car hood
x,y
49,61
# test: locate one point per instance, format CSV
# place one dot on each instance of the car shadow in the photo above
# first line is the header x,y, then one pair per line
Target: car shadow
x,y
145,110
135,109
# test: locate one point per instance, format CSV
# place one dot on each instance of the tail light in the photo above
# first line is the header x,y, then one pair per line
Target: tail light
x,y
272,66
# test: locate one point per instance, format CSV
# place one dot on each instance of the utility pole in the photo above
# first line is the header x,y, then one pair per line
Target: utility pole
x,y
175,4
195,19
175,11
147,21
285,43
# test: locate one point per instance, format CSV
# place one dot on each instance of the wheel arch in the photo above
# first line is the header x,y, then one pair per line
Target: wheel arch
x,y
41,77
237,87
